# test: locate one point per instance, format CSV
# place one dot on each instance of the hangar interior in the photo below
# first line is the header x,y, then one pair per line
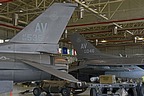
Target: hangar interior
x,y
114,26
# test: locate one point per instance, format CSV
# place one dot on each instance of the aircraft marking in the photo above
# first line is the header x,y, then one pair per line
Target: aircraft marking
x,y
83,45
4,58
41,27
86,50
54,16
78,40
32,37
89,51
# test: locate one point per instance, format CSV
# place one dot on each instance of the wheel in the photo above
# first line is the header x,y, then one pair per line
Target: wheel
x,y
65,92
93,92
36,91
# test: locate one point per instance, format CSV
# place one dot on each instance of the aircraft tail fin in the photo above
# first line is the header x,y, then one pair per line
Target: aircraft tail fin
x,y
47,27
84,49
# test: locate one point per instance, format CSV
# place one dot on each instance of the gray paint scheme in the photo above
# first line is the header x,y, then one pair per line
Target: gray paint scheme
x,y
91,60
27,56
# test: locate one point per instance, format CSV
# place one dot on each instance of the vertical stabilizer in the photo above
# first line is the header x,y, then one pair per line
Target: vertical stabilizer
x,y
84,49
48,27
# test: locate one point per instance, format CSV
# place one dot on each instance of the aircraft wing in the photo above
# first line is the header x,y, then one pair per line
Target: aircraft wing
x,y
100,67
77,67
52,71
110,67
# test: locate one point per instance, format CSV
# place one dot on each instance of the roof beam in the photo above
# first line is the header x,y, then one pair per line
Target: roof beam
x,y
102,16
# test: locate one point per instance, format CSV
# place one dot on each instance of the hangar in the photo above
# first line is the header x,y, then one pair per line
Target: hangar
x,y
113,26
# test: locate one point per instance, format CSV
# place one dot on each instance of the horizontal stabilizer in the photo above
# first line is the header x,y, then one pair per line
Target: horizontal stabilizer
x,y
6,86
52,71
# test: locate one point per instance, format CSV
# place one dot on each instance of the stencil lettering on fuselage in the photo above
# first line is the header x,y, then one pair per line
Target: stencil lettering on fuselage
x,y
85,49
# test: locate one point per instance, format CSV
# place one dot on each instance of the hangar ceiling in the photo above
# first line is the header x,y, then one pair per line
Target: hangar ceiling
x,y
118,22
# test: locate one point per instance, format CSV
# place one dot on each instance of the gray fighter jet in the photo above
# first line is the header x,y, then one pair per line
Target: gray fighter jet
x,y
92,62
27,56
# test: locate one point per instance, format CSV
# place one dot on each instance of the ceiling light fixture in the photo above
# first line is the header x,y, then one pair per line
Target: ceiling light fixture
x,y
21,11
103,41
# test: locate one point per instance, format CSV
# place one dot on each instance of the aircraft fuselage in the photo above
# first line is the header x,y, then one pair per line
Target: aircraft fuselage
x,y
12,68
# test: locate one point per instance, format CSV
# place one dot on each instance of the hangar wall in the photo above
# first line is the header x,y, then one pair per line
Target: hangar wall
x,y
124,50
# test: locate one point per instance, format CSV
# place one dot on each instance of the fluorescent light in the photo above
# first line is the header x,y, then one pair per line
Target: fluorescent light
x,y
0,3
1,41
21,11
7,40
140,38
103,41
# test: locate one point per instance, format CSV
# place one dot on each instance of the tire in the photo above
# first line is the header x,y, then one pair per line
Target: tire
x,y
36,91
93,92
65,92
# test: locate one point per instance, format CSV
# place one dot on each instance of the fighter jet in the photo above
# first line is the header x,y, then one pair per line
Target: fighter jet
x,y
27,56
91,62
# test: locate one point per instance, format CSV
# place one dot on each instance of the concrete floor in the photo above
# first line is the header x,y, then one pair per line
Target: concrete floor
x,y
17,89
